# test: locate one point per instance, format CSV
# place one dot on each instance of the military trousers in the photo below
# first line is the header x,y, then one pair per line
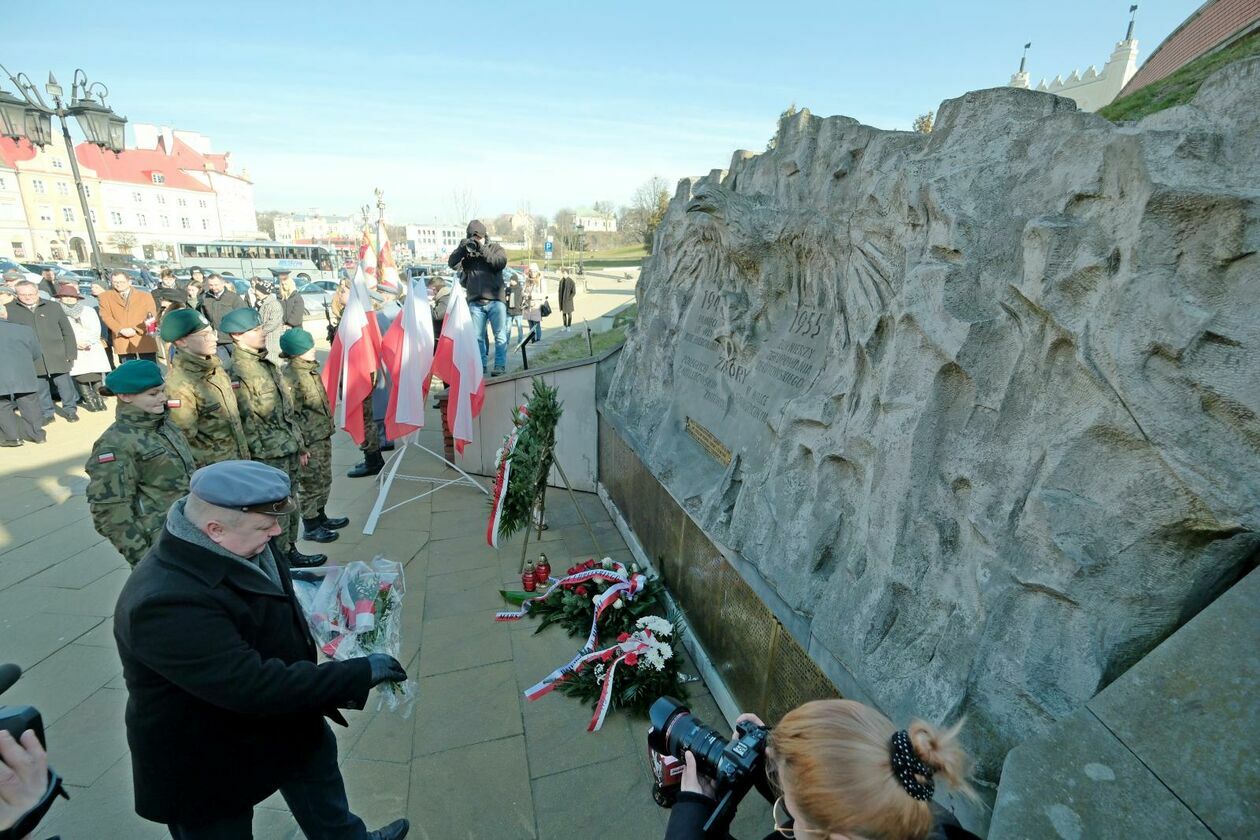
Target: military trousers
x,y
290,465
371,436
315,479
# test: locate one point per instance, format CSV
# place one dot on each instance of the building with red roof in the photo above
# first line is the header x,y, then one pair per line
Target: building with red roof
x,y
168,187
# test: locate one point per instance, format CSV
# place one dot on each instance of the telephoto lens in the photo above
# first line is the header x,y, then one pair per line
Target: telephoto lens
x,y
675,730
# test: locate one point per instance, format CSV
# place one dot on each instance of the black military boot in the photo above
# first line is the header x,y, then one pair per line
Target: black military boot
x,y
372,464
314,530
86,398
94,388
298,560
332,523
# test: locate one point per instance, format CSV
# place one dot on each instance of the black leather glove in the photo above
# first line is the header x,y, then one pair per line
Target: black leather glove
x,y
385,668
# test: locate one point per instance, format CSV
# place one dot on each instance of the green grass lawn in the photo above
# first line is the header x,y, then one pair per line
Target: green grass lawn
x,y
574,347
1180,87
625,255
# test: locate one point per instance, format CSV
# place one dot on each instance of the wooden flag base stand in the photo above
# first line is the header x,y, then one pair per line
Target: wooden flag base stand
x,y
391,474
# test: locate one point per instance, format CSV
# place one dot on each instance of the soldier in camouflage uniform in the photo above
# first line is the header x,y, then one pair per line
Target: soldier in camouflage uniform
x,y
310,401
271,425
139,466
199,394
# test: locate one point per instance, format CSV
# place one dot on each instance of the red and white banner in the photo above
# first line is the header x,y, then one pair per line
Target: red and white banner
x,y
367,257
407,351
458,363
386,268
353,359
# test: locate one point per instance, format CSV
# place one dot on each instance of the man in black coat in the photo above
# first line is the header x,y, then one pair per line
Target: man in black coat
x,y
481,262
226,703
58,348
216,301
19,402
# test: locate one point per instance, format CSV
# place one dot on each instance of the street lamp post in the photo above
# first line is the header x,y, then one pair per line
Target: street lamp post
x,y
30,117
581,244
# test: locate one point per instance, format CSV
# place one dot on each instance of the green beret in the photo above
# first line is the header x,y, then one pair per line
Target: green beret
x,y
181,322
295,342
133,377
239,321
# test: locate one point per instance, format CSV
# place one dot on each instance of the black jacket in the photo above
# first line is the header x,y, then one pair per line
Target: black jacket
x,y
568,291
483,275
57,344
215,308
20,352
294,310
224,696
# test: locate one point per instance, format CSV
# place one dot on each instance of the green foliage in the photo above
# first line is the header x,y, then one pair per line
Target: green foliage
x,y
573,608
1180,87
789,111
923,123
635,688
531,460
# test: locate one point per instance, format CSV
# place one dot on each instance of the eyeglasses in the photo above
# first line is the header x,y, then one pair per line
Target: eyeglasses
x,y
783,820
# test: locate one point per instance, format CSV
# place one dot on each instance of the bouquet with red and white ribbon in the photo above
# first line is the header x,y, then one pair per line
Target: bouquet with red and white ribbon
x,y
355,610
632,673
608,585
503,473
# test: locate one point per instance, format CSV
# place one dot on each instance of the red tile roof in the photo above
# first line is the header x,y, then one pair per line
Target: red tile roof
x,y
13,151
137,166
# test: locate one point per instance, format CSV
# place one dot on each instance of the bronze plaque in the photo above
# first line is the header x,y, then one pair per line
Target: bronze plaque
x,y
709,442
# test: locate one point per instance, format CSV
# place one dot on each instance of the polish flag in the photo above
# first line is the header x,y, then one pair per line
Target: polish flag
x,y
407,352
367,257
387,269
353,359
458,363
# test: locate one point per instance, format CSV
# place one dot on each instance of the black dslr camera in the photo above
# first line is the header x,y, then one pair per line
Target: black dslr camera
x,y
15,720
472,248
732,765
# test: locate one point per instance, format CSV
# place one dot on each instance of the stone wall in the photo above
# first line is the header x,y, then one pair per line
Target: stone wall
x,y
980,406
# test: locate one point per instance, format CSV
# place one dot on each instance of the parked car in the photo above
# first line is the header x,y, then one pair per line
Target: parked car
x,y
315,296
6,264
326,285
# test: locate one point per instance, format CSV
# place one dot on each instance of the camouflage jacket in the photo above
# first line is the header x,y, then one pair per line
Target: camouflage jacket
x,y
137,469
201,401
271,427
310,400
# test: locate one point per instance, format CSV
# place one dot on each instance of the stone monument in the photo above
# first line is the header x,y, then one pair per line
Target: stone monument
x,y
978,407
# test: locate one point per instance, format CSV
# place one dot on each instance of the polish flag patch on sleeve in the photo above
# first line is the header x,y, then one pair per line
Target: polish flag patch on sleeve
x,y
105,457
173,403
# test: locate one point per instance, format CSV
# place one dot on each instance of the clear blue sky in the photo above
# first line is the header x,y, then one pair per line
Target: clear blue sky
x,y
542,104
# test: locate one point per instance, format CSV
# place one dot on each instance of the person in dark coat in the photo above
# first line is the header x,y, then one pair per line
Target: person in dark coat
x,y
48,283
217,300
568,291
291,303
58,347
19,401
481,263
225,700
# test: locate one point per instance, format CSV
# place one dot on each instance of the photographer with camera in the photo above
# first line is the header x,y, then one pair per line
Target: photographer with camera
x,y
481,263
28,787
833,769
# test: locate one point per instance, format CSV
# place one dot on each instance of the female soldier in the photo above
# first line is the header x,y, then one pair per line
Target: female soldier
x,y
140,465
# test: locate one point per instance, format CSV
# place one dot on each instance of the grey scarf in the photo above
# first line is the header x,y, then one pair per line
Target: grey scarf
x,y
179,525
74,310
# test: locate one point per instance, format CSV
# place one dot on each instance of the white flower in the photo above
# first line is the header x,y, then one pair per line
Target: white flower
x,y
634,568
599,672
618,604
607,563
659,626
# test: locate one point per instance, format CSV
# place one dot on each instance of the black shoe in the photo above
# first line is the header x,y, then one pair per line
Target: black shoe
x,y
333,523
298,560
86,397
49,418
312,530
396,830
498,372
387,446
372,464
7,442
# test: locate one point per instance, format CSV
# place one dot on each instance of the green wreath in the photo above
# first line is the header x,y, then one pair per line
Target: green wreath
x,y
531,459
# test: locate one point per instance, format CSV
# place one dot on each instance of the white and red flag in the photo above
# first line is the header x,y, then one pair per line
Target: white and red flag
x,y
353,359
367,257
407,351
386,268
458,363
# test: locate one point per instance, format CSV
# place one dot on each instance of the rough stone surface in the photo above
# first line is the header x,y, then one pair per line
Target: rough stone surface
x,y
991,393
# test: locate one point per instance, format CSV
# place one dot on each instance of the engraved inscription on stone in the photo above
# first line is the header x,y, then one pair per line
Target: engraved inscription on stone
x,y
741,392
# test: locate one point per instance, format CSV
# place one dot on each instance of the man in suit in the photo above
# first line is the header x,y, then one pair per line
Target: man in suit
x,y
226,703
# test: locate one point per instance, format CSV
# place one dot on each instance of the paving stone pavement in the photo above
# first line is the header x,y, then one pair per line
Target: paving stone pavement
x,y
474,760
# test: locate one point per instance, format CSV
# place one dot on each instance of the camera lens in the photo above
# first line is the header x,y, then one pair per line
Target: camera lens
x,y
675,730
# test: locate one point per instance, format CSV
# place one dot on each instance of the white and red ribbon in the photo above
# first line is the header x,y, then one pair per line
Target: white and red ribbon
x,y
636,645
500,491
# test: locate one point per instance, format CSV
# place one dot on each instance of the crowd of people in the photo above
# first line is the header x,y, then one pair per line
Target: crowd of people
x,y
217,463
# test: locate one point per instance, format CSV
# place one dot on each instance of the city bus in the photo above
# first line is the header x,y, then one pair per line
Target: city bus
x,y
262,259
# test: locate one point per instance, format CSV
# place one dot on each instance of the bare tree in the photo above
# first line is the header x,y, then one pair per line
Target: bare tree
x,y
649,204
463,205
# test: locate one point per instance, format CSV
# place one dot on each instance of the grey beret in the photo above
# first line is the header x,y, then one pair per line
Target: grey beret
x,y
244,485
